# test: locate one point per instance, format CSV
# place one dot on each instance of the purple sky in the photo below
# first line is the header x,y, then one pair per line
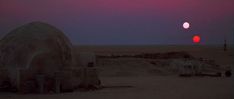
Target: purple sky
x,y
126,21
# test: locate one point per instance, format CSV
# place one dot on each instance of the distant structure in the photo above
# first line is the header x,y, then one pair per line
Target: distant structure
x,y
38,58
225,45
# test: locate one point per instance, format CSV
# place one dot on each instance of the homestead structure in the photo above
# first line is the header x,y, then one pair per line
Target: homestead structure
x,y
39,58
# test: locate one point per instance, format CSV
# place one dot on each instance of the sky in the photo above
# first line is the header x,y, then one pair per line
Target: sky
x,y
126,22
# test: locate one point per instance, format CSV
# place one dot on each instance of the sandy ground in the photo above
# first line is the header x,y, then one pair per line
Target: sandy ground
x,y
155,87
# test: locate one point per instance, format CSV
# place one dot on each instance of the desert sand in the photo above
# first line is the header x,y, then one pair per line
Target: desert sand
x,y
136,84
148,88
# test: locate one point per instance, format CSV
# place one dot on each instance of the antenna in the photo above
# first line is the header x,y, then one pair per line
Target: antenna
x,y
225,44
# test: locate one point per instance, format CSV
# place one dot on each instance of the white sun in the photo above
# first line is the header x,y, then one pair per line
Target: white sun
x,y
186,25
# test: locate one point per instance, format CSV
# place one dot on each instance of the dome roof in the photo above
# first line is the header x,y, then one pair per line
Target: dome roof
x,y
21,45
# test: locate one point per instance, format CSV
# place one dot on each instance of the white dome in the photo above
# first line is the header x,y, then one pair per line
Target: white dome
x,y
22,45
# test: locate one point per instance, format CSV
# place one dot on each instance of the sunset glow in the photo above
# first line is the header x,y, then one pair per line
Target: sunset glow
x,y
108,22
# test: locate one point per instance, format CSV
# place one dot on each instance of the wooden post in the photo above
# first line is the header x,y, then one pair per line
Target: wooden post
x,y
41,81
57,82
225,45
18,78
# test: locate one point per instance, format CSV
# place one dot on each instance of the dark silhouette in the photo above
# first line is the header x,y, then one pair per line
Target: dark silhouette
x,y
225,45
228,73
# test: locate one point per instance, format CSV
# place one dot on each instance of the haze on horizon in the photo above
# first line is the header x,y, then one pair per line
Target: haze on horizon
x,y
126,22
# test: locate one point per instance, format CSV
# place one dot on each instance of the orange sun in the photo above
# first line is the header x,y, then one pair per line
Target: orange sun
x,y
196,39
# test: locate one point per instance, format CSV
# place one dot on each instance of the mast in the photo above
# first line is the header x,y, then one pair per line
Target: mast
x,y
225,45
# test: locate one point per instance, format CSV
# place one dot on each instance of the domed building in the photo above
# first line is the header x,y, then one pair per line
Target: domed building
x,y
39,58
